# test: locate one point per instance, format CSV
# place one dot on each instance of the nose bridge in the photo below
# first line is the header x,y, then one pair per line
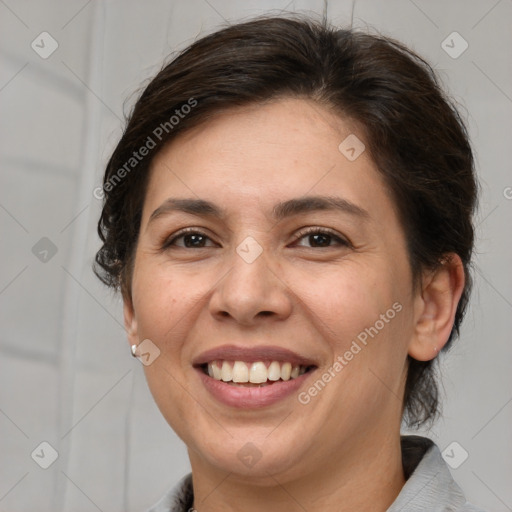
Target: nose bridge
x,y
251,288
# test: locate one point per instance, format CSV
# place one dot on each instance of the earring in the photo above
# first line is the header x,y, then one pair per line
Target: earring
x,y
134,350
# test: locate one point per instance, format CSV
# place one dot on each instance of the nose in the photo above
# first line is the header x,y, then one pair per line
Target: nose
x,y
250,293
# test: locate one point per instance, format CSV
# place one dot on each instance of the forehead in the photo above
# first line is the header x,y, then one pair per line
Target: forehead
x,y
266,153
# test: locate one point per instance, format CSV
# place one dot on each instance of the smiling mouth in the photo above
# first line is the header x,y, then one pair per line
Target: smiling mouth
x,y
253,374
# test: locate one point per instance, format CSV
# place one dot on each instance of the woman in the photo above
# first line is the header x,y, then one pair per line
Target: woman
x,y
288,216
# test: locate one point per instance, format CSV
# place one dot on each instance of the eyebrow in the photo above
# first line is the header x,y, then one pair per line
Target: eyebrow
x,y
280,211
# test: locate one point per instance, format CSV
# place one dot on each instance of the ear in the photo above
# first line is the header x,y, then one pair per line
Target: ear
x,y
130,322
435,308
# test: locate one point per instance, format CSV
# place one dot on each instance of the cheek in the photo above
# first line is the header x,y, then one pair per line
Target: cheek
x,y
364,317
162,308
363,314
345,299
153,302
161,303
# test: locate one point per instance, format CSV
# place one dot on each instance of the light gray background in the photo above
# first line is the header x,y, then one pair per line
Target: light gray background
x,y
66,375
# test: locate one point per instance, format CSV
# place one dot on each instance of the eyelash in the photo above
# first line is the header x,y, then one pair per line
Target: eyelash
x,y
322,231
169,242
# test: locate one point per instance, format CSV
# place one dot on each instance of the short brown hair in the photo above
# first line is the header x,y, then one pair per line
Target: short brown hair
x,y
412,130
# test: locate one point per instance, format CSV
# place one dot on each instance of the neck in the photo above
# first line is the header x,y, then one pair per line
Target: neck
x,y
367,477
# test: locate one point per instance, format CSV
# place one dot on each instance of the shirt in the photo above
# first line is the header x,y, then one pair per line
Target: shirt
x,y
429,484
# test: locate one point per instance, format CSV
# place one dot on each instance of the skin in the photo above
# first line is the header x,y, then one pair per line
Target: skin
x,y
341,451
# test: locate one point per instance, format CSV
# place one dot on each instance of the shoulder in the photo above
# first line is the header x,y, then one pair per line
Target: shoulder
x,y
429,485
177,499
467,507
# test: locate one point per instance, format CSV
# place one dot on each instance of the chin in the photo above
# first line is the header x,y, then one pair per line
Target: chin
x,y
242,458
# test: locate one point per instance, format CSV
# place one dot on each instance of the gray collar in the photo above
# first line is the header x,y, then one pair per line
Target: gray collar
x,y
429,485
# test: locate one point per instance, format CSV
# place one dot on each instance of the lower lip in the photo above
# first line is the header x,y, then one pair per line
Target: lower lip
x,y
251,397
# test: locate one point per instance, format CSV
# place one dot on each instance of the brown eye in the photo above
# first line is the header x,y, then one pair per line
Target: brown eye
x,y
189,240
194,240
320,240
317,238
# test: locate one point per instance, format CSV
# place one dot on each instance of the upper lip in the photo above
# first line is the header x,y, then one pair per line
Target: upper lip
x,y
252,354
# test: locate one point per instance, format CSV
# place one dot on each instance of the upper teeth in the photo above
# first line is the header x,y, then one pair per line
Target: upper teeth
x,y
256,373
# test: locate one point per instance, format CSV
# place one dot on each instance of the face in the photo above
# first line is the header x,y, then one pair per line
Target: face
x,y
262,242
